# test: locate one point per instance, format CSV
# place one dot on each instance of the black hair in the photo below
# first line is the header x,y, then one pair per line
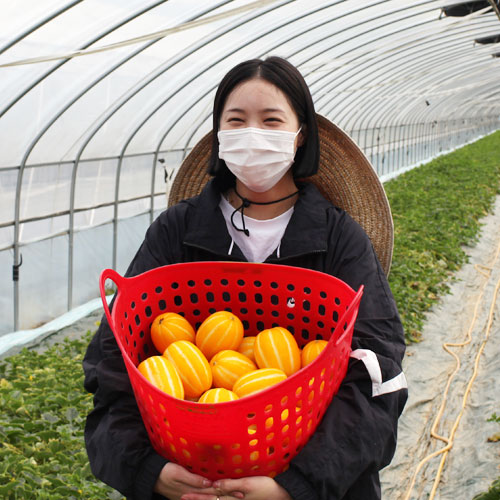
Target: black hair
x,y
288,79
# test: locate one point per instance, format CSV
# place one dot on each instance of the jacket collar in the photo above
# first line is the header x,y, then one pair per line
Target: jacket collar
x,y
306,232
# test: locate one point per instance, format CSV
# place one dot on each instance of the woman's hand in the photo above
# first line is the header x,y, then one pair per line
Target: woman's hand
x,y
174,481
249,488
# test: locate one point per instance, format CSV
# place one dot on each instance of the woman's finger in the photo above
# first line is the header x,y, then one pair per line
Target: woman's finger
x,y
182,475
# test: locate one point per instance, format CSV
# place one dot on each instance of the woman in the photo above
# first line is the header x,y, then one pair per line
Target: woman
x,y
265,137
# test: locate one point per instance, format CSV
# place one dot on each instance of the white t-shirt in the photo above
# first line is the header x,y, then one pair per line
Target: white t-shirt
x,y
265,235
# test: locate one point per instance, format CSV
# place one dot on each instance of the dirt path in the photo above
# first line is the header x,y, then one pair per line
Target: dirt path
x,y
472,463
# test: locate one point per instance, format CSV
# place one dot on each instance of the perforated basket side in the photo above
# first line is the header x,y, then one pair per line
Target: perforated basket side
x,y
261,433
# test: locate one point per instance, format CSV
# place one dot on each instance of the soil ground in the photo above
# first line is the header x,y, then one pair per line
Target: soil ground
x,y
473,462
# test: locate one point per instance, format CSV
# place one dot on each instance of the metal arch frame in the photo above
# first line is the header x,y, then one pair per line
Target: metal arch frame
x,y
390,61
402,117
410,119
175,92
375,105
345,103
488,96
210,89
426,65
369,30
444,74
449,102
467,28
23,165
313,43
201,123
40,135
375,61
423,57
56,66
325,38
331,82
483,85
203,43
41,23
124,149
462,119
111,111
425,125
165,67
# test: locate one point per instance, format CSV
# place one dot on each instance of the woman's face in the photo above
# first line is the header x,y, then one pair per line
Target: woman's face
x,y
260,104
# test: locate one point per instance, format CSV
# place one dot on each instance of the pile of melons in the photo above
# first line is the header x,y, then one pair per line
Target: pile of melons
x,y
217,363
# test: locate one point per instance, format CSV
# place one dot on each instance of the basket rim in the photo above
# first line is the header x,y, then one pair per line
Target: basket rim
x,y
229,263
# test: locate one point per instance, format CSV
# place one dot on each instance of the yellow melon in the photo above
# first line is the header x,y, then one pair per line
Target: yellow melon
x,y
312,350
246,347
258,380
169,327
277,348
192,366
217,395
162,373
221,330
228,366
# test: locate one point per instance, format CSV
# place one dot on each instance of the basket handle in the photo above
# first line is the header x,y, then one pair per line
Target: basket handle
x,y
352,310
115,278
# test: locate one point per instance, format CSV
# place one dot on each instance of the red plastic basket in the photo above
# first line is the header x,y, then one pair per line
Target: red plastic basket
x,y
261,433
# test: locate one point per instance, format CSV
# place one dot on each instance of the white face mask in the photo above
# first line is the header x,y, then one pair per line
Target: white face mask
x,y
259,158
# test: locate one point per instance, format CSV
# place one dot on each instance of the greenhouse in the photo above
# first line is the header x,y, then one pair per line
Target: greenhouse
x,y
102,101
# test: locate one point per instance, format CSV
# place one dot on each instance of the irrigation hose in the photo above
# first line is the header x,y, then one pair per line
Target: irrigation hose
x,y
446,346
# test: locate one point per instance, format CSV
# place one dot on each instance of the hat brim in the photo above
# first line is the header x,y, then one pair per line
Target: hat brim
x,y
345,178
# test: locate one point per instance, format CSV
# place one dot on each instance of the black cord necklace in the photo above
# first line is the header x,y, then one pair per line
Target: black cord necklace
x,y
246,203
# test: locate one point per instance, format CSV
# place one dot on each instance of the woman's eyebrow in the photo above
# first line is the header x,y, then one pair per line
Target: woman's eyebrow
x,y
273,110
265,110
234,110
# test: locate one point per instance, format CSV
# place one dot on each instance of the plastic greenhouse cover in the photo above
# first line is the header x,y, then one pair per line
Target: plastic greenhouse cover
x,y
106,108
101,99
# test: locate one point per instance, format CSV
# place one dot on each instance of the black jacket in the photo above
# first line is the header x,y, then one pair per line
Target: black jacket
x,y
357,435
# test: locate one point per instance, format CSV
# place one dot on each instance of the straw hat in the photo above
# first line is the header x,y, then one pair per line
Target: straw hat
x,y
345,177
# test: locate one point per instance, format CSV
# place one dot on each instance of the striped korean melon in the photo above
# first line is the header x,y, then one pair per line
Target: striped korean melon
x,y
277,348
228,366
246,347
169,327
162,373
221,330
258,380
312,350
218,395
192,366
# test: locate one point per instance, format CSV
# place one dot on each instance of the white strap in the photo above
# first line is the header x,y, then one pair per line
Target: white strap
x,y
369,358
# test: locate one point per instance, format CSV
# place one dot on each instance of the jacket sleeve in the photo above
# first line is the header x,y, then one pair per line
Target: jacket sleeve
x,y
118,447
357,435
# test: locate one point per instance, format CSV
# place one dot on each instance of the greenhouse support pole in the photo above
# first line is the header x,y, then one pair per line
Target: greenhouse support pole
x,y
18,261
18,198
